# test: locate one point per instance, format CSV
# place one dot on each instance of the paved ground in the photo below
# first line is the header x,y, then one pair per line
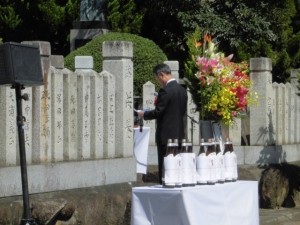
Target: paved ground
x,y
282,216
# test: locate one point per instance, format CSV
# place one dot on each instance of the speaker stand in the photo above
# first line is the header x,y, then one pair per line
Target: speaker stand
x,y
192,127
27,219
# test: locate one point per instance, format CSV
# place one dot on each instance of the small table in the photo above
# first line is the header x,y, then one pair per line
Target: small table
x,y
233,203
140,151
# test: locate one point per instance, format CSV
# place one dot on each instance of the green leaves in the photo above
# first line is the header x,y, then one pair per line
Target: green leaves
x,y
9,17
124,17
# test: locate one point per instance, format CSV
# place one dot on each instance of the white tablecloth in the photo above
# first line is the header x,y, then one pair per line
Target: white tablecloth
x,y
141,144
221,204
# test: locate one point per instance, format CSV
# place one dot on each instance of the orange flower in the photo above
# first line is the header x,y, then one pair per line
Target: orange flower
x,y
198,44
207,38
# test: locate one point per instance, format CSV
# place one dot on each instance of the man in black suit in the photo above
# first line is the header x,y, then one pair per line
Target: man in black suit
x,y
169,112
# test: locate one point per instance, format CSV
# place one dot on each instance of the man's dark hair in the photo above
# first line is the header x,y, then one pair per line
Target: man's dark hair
x,y
161,68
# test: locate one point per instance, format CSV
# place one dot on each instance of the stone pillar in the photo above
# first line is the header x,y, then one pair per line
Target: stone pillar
x,y
57,101
27,113
70,115
117,60
109,119
193,116
57,113
286,114
260,122
84,72
291,113
277,113
174,66
8,136
41,108
97,116
295,73
233,132
148,104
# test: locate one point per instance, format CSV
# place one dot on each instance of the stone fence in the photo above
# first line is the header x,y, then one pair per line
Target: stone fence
x,y
79,124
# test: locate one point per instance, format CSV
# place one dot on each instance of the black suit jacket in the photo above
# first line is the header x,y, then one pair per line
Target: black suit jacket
x,y
169,113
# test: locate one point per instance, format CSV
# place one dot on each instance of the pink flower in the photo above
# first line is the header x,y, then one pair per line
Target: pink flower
x,y
234,113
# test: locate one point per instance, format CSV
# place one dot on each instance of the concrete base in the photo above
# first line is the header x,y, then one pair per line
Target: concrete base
x,y
71,175
82,36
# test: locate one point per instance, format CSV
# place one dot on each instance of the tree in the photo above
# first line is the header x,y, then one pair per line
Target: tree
x,y
124,16
146,54
48,20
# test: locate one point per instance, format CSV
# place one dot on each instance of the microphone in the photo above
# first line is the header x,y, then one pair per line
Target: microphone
x,y
141,124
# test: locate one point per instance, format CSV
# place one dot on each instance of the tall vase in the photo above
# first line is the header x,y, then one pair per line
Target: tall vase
x,y
206,129
210,129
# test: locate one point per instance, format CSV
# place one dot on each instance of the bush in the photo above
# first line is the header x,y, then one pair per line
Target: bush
x,y
146,54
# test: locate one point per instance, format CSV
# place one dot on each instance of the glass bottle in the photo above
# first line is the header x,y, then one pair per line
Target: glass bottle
x,y
190,147
220,163
202,147
228,161
170,147
184,146
234,162
211,154
175,147
169,174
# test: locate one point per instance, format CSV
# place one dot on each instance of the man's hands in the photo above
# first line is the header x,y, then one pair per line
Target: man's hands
x,y
140,113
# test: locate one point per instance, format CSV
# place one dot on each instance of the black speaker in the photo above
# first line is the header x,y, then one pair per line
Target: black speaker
x,y
20,64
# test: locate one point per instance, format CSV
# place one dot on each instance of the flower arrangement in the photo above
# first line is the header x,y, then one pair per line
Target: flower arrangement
x,y
220,88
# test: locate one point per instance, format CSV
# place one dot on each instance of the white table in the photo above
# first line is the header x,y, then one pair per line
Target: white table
x,y
140,150
221,204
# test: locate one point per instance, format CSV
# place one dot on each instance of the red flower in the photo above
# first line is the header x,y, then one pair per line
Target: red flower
x,y
155,101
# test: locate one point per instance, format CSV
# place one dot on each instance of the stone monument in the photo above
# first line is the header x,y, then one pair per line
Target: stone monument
x,y
92,23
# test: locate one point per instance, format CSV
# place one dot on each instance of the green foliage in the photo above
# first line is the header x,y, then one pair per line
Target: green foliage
x,y
190,68
146,54
9,17
201,94
44,20
52,12
245,28
124,17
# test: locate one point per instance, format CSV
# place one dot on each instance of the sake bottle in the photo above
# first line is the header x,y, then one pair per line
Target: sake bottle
x,y
211,154
220,163
170,148
202,148
202,164
234,163
228,160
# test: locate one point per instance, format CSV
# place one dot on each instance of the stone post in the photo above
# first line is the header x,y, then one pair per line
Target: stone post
x,y
193,127
97,121
27,113
8,136
295,73
41,108
57,111
174,66
260,116
86,107
278,112
233,132
109,118
70,115
148,104
117,60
